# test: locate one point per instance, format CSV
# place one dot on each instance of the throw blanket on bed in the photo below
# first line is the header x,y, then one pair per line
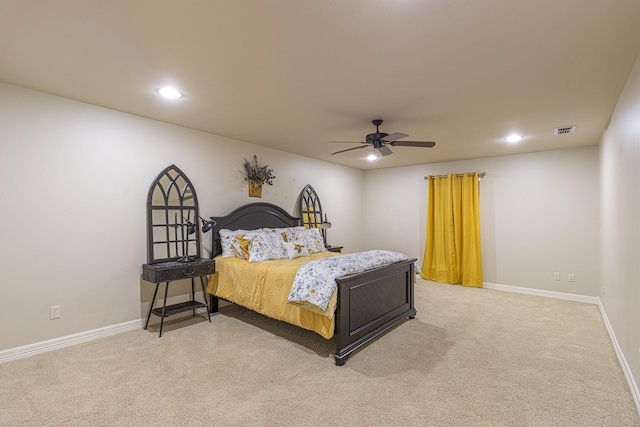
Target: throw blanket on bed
x,y
264,287
315,282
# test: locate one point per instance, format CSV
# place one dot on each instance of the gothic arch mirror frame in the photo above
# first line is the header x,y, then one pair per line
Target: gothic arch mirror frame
x,y
311,210
172,211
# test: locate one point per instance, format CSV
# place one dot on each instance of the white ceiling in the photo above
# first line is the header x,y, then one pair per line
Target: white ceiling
x,y
296,74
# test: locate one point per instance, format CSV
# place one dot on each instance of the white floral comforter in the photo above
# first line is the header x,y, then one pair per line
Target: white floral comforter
x,y
315,282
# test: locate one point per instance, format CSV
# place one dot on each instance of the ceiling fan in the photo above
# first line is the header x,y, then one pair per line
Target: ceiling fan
x,y
380,140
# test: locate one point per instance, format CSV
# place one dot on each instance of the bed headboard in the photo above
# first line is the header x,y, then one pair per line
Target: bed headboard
x,y
251,217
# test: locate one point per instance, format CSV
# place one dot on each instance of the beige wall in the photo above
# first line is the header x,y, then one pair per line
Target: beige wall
x,y
620,227
73,189
539,215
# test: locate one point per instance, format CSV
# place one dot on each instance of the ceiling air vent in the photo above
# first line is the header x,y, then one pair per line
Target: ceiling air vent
x,y
564,130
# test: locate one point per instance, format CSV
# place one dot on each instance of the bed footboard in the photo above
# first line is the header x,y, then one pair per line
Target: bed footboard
x,y
371,303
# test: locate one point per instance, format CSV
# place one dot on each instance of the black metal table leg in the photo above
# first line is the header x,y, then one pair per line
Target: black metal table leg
x,y
193,295
204,296
153,301
164,307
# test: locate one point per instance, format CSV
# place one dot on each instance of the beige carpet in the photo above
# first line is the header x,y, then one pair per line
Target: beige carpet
x,y
472,357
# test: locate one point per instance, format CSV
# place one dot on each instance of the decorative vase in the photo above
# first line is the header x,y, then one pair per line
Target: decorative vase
x,y
255,188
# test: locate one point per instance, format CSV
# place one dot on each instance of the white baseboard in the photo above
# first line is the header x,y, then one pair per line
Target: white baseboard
x,y
589,300
623,361
541,293
68,341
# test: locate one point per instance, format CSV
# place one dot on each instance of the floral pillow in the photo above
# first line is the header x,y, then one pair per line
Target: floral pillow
x,y
295,250
244,245
265,246
310,239
229,243
283,229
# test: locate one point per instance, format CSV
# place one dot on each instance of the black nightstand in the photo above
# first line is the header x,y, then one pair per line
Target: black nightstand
x,y
335,248
172,271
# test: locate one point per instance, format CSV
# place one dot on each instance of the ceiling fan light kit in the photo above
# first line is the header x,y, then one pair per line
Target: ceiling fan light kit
x,y
381,140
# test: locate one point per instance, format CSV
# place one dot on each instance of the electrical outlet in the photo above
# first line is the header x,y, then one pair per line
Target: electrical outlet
x,y
54,312
556,276
572,277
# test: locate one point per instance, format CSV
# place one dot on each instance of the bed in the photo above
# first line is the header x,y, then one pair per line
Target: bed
x,y
367,304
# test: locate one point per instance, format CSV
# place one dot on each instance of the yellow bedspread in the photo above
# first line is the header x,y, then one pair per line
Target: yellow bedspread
x,y
264,287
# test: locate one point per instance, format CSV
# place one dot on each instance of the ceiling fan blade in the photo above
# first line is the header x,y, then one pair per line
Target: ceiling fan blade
x,y
413,143
394,136
347,142
349,149
384,150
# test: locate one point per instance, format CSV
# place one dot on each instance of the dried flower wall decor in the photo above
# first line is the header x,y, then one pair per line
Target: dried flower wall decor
x,y
257,175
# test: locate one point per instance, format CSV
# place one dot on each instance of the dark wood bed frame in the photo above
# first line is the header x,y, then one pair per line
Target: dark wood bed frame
x,y
369,304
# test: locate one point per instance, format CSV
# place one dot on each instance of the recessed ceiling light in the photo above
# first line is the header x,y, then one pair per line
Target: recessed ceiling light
x,y
372,157
513,138
170,92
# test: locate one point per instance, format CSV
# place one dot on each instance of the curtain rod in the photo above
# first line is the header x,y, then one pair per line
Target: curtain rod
x,y
480,175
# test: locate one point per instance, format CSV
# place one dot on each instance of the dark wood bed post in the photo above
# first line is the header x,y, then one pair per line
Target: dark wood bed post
x,y
213,304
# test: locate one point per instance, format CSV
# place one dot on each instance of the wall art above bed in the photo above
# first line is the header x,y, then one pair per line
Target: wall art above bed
x,y
256,176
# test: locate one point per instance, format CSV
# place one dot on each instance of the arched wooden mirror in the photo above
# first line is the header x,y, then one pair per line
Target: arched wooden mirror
x,y
311,210
172,218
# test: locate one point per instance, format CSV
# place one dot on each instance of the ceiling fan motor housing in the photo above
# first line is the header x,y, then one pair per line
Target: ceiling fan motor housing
x,y
377,136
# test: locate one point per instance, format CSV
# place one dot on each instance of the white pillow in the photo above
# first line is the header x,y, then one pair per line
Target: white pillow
x,y
230,246
295,250
265,246
309,238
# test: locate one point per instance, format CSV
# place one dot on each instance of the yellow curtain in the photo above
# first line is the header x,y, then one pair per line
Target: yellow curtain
x,y
452,251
